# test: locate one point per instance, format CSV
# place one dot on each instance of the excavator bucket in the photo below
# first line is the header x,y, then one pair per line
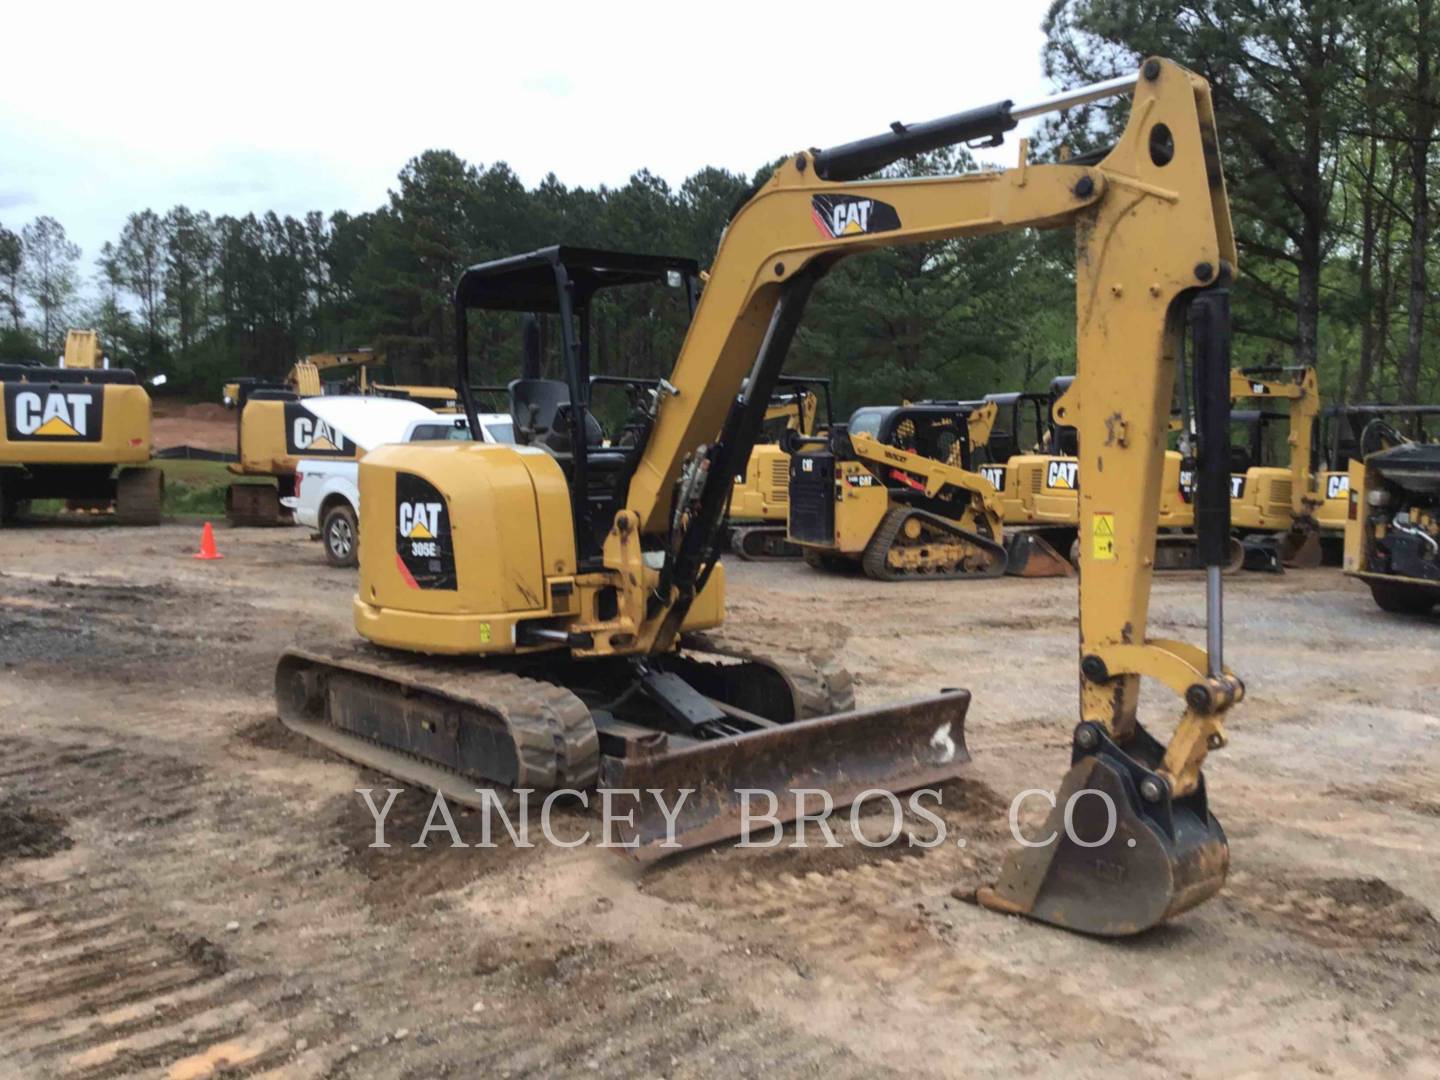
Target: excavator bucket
x,y
1123,863
758,778
1028,554
1300,549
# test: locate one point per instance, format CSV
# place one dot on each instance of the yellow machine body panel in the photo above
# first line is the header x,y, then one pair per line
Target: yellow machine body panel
x,y
1261,498
82,349
861,503
1334,488
463,543
74,423
762,494
1043,489
274,435
1355,519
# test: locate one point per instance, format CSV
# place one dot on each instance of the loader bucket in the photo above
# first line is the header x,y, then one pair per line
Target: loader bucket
x,y
1028,554
894,748
1160,859
1262,556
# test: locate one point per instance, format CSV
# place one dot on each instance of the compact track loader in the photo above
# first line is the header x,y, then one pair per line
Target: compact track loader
x,y
894,492
81,433
543,616
759,504
1392,532
1338,443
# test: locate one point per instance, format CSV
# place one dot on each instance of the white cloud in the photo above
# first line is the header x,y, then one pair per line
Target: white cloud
x,y
294,106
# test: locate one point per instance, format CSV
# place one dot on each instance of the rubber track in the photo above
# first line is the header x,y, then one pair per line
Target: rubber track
x,y
819,684
875,559
749,542
555,740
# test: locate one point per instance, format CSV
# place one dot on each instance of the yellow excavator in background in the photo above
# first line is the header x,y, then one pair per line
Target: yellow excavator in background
x,y
1392,529
274,430
536,615
759,503
1273,505
895,492
79,432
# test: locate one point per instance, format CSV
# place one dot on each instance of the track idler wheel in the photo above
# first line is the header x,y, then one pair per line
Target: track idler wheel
x,y
1118,853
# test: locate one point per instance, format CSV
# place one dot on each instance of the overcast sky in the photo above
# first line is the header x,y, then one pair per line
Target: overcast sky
x,y
106,109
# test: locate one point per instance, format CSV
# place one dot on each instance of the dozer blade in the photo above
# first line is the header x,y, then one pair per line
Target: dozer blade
x,y
1028,554
1161,858
893,748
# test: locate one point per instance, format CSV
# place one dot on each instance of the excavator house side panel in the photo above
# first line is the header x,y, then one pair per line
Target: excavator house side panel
x,y
461,530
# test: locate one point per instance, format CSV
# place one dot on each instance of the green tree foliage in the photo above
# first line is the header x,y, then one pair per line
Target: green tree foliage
x,y
1327,113
48,275
1327,110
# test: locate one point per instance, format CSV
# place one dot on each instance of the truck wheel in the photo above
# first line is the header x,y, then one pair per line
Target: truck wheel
x,y
340,534
1401,599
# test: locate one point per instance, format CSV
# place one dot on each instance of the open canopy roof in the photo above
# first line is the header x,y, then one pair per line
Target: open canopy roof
x,y
527,282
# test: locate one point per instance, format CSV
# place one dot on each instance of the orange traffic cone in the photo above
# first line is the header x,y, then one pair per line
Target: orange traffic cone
x,y
207,544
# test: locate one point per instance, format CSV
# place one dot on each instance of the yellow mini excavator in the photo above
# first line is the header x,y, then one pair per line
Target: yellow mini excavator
x,y
81,433
894,491
1273,505
538,615
759,504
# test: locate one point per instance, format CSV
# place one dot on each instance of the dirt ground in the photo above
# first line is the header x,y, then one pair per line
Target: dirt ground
x,y
186,890
205,426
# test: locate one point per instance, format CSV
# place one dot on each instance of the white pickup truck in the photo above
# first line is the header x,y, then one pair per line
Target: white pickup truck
x,y
327,493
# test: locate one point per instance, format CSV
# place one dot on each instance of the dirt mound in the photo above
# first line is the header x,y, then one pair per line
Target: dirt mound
x,y
1344,911
28,832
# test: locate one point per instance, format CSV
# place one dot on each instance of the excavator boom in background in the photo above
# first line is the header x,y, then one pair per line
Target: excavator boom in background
x,y
576,582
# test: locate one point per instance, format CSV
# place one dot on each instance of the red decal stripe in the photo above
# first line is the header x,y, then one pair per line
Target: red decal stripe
x,y
405,574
